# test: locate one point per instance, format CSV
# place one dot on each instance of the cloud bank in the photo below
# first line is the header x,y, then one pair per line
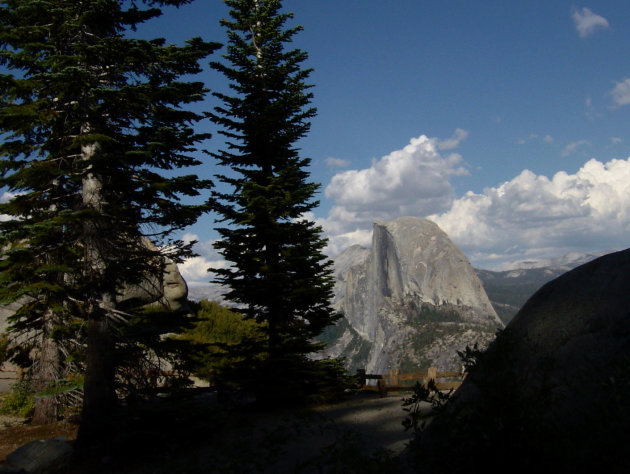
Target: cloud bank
x,y
528,217
534,216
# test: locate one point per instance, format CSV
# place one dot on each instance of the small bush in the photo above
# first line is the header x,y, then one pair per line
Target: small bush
x,y
19,401
430,394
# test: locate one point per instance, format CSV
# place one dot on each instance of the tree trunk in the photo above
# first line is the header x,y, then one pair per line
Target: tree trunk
x,y
99,397
46,374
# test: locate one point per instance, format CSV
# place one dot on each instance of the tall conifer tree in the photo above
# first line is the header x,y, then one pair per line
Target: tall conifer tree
x,y
279,275
92,126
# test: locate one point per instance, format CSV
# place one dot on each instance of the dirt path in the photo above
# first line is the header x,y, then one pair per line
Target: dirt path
x,y
377,420
364,434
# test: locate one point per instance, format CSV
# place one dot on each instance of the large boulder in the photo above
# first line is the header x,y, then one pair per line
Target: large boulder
x,y
551,392
41,456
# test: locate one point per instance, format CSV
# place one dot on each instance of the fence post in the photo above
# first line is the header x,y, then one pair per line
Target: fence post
x,y
431,375
361,378
393,377
382,388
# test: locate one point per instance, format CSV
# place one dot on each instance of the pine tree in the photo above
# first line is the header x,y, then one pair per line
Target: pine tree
x,y
278,274
93,124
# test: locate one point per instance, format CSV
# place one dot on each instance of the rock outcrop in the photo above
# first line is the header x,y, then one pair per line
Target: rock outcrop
x,y
551,391
411,301
165,292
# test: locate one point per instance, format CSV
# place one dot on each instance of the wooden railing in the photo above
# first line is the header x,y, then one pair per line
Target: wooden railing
x,y
395,381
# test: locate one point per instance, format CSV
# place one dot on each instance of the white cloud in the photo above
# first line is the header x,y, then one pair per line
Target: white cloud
x,y
571,147
548,139
587,22
339,242
410,181
415,176
453,142
195,270
621,93
6,197
337,162
534,216
188,237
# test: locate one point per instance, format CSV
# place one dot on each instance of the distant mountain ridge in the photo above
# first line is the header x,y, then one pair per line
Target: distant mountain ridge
x,y
567,261
508,290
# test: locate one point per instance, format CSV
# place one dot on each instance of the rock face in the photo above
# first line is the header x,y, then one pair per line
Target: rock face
x,y
551,391
166,292
409,302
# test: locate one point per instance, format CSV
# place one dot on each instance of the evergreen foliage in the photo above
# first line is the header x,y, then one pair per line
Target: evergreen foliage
x,y
92,125
224,340
279,275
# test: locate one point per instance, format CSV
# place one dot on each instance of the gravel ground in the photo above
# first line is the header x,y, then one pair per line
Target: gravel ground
x,y
5,383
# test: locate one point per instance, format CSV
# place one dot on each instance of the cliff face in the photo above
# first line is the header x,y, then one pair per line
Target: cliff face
x,y
411,301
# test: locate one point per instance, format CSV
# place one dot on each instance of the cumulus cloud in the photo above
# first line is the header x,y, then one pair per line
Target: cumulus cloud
x,y
534,216
586,22
337,162
412,181
195,270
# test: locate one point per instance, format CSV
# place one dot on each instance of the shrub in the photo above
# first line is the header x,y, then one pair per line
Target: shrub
x,y
19,401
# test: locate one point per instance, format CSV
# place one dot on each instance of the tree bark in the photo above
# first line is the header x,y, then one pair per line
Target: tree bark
x,y
46,374
99,397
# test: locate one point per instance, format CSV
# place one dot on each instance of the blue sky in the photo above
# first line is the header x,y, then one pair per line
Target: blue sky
x,y
506,122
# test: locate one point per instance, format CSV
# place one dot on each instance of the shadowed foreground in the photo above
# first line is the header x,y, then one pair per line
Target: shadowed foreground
x,y
196,434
